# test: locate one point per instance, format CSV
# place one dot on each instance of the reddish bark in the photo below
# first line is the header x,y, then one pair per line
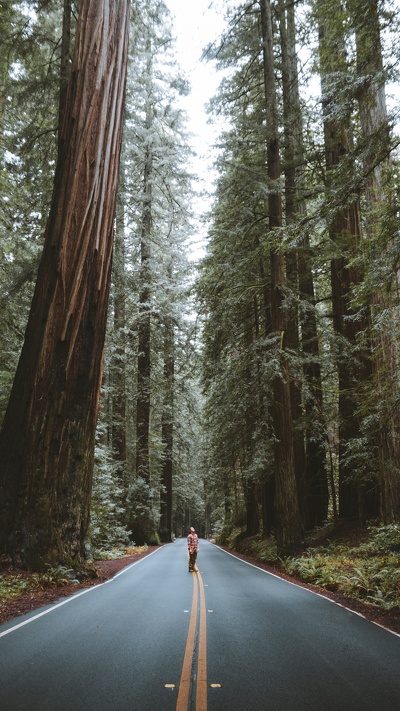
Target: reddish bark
x,y
309,445
167,433
47,440
288,529
377,168
353,364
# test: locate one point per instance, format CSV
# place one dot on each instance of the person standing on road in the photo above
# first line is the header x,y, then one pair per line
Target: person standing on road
x,y
193,547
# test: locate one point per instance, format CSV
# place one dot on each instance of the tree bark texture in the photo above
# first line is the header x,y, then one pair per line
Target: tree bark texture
x,y
287,520
292,133
118,360
250,417
167,433
376,168
344,227
47,440
310,457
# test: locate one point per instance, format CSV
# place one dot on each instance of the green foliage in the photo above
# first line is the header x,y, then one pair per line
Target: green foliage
x,y
383,539
155,144
29,85
107,527
259,547
369,572
228,535
143,513
56,576
109,553
13,585
263,549
317,568
115,553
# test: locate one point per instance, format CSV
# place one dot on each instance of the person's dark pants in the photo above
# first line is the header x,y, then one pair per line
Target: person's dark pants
x,y
192,560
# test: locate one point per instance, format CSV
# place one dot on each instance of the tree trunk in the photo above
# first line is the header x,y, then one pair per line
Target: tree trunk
x,y
292,124
288,521
47,440
316,476
352,361
118,359
261,307
167,434
252,508
250,420
377,169
144,325
310,464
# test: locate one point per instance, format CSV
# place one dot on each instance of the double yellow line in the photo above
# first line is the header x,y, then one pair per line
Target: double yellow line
x,y
182,703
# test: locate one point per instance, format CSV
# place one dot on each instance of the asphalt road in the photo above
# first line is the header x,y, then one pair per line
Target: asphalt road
x,y
229,638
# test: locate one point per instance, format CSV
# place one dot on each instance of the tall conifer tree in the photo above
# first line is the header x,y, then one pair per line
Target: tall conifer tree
x,y
343,212
287,511
380,227
47,439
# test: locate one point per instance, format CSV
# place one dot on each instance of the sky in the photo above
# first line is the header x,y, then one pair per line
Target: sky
x,y
196,24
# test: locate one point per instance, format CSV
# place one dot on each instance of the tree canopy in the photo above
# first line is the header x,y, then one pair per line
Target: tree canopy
x,y
256,391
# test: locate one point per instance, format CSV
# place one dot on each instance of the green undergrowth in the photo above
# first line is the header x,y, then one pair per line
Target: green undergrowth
x,y
363,566
369,571
262,549
115,553
13,585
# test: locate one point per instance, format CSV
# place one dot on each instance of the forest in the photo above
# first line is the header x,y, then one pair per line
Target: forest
x,y
255,390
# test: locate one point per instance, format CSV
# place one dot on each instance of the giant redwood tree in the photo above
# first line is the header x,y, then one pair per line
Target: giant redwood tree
x,y
352,359
381,226
288,529
47,439
310,456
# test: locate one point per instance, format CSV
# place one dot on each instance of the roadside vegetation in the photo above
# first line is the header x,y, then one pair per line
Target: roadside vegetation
x,y
15,583
12,585
360,563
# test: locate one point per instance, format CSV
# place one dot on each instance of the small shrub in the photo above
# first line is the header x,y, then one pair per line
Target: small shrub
x,y
11,586
56,577
386,538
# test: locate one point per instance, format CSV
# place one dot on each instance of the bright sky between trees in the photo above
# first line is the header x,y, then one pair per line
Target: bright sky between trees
x,y
196,24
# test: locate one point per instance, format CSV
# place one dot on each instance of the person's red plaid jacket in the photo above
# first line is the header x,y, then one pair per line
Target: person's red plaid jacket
x,y
193,542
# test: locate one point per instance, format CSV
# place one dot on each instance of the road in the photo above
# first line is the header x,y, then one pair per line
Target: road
x,y
229,638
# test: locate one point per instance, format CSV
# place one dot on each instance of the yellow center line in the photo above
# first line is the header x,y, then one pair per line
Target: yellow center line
x,y
184,686
185,682
201,688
